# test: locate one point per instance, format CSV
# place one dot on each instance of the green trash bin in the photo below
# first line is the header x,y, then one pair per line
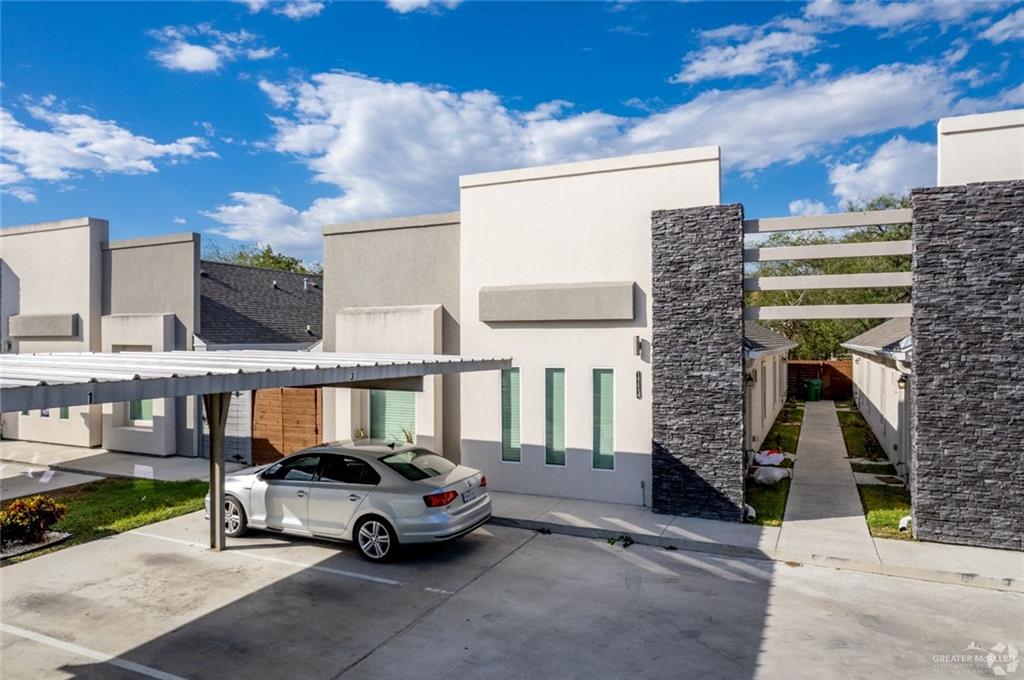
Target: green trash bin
x,y
813,389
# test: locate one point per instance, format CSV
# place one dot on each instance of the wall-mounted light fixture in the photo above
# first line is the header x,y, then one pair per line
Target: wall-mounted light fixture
x,y
638,345
902,382
750,377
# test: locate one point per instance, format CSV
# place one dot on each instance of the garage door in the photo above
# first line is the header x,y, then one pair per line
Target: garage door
x,y
285,420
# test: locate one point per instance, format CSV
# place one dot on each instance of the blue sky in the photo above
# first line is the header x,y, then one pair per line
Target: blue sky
x,y
260,121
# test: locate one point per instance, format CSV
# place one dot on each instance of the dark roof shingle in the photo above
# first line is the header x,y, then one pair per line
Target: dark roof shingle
x,y
758,338
242,305
884,336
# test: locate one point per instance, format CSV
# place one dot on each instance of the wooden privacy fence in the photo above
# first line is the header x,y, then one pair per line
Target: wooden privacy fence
x,y
285,420
836,377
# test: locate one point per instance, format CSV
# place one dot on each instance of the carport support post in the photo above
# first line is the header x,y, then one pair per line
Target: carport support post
x,y
216,418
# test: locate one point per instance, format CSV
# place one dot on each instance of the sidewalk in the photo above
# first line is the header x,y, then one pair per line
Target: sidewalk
x,y
28,468
978,567
823,513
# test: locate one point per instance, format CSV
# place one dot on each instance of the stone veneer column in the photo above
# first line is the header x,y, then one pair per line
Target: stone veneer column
x,y
697,391
967,461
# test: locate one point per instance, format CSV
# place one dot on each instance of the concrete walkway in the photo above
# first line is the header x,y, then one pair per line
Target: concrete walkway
x,y
935,562
28,468
823,514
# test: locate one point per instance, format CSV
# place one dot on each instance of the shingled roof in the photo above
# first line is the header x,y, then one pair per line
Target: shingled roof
x,y
758,338
249,305
885,337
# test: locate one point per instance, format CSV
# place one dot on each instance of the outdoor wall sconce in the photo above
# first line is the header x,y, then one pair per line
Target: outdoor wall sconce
x,y
750,378
902,382
638,345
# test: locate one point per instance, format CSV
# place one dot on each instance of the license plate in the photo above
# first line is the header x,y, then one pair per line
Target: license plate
x,y
468,495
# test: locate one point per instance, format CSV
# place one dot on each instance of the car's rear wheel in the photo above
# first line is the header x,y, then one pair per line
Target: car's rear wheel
x,y
376,539
234,517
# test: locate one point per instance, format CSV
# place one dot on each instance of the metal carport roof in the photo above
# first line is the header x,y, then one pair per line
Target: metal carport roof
x,y
37,381
33,381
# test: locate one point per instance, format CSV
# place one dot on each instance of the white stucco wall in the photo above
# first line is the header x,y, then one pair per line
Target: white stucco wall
x,y
983,147
54,268
578,223
139,333
765,397
412,329
883,404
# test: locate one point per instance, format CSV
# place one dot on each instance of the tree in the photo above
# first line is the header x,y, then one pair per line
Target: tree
x,y
263,257
820,339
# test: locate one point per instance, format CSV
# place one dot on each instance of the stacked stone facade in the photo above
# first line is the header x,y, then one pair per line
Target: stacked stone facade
x,y
697,357
967,480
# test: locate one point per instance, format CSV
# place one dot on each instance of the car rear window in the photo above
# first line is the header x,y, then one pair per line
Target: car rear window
x,y
417,464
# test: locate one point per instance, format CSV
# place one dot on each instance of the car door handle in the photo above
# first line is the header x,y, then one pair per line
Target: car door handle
x,y
354,497
300,494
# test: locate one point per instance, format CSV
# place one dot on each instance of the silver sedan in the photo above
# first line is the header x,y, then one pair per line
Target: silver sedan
x,y
376,494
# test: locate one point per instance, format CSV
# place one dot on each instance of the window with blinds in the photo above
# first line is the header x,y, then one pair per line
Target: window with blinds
x,y
511,450
604,419
392,415
140,409
554,416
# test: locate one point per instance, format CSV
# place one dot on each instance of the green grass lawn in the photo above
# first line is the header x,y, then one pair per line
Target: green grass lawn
x,y
782,436
860,440
768,501
874,468
112,506
884,506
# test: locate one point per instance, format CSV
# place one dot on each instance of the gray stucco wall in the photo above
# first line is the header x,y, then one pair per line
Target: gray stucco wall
x,y
968,385
396,262
697,354
159,275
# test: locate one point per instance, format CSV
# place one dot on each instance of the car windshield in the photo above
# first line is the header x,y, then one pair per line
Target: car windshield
x,y
416,464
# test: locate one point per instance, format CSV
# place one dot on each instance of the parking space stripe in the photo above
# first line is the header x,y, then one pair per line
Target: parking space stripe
x,y
88,653
279,560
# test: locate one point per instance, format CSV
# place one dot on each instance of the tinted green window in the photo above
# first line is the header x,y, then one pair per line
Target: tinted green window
x,y
510,448
140,409
65,413
392,415
604,419
554,416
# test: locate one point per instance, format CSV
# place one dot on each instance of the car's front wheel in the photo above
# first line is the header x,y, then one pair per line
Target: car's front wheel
x,y
234,517
376,539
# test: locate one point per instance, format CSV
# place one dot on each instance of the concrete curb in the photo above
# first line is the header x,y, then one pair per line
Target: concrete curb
x,y
1008,584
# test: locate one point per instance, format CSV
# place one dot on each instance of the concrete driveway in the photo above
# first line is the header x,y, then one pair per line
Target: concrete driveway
x,y
500,603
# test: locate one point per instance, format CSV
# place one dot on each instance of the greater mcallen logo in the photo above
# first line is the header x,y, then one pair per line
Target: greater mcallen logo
x,y
1001,659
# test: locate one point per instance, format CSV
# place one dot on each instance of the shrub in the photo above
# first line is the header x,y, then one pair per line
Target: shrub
x,y
28,519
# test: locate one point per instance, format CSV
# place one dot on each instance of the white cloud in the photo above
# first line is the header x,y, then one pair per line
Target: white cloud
x,y
406,6
807,206
1010,27
70,143
297,10
179,220
742,50
896,15
769,51
896,167
788,122
202,48
398,148
280,96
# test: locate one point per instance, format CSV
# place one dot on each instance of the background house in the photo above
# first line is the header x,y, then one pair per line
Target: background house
x,y
765,365
65,287
881,371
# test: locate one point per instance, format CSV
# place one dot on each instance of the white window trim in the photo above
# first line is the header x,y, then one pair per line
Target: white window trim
x,y
615,417
501,444
565,418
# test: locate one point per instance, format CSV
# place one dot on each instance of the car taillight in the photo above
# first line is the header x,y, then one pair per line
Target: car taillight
x,y
483,480
440,499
